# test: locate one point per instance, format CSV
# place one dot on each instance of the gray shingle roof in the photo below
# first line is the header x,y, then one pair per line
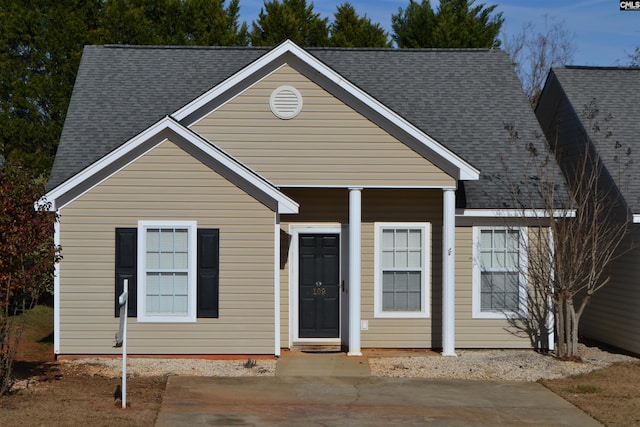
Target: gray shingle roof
x,y
614,91
462,98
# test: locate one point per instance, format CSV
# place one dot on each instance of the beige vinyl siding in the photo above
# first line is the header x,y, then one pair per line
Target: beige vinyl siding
x,y
613,315
327,144
330,206
470,332
167,184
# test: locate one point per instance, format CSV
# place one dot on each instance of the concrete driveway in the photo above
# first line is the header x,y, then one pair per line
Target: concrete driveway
x,y
327,396
352,401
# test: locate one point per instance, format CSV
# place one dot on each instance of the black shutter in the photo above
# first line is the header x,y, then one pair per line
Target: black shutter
x,y
208,272
127,267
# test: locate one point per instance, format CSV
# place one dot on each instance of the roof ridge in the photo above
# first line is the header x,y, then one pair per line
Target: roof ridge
x,y
179,47
395,49
599,67
328,48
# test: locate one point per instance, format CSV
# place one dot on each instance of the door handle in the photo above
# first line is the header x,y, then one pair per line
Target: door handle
x,y
318,284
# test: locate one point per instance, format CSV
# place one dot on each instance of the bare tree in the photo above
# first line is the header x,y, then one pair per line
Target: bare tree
x,y
534,52
575,231
634,58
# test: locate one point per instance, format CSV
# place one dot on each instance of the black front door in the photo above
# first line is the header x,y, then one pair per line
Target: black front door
x,y
319,281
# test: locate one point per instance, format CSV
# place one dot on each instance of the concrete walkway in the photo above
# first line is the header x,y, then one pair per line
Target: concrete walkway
x,y
297,364
324,396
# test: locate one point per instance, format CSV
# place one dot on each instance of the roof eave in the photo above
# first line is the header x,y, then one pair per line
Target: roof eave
x,y
516,213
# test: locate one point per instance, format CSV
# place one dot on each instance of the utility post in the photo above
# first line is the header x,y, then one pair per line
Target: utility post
x,y
121,337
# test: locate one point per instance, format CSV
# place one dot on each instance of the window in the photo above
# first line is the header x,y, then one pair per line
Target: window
x,y
402,268
167,272
499,278
172,269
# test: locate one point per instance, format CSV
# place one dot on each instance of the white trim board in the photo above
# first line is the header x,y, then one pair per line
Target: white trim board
x,y
56,293
515,213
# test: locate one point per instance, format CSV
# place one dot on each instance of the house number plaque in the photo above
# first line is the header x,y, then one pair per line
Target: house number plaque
x,y
319,291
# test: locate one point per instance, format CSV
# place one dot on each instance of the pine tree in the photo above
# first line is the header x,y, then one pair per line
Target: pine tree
x,y
456,24
209,23
350,30
40,48
413,26
291,19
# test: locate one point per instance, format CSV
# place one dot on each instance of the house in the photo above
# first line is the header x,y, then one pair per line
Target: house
x,y
603,104
257,199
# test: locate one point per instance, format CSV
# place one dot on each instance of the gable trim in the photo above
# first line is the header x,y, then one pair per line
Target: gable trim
x,y
139,145
465,171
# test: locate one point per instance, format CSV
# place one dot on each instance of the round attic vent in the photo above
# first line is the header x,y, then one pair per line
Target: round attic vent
x,y
286,102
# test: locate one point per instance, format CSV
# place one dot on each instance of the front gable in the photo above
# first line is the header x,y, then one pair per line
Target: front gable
x,y
328,144
168,129
332,95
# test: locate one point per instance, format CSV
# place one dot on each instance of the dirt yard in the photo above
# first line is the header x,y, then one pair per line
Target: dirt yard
x,y
610,395
48,393
62,395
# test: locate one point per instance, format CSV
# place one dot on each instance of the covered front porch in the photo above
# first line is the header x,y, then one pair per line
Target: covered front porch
x,y
335,287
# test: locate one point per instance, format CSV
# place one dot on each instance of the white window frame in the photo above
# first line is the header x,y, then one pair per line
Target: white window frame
x,y
425,286
523,233
192,230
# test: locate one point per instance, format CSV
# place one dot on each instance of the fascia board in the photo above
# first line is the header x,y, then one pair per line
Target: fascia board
x,y
515,213
285,204
465,170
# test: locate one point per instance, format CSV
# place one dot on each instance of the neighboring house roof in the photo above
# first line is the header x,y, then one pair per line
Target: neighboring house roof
x,y
461,99
614,93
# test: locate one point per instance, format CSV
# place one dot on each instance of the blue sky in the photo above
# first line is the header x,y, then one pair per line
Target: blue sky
x,y
604,35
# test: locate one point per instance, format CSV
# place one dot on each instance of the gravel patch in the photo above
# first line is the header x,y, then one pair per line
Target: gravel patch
x,y
138,366
513,365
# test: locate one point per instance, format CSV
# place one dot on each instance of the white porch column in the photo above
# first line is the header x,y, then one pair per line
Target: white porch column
x,y
355,259
448,273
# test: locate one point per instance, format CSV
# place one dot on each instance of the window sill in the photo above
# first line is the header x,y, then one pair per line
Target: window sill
x,y
400,315
498,315
166,319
